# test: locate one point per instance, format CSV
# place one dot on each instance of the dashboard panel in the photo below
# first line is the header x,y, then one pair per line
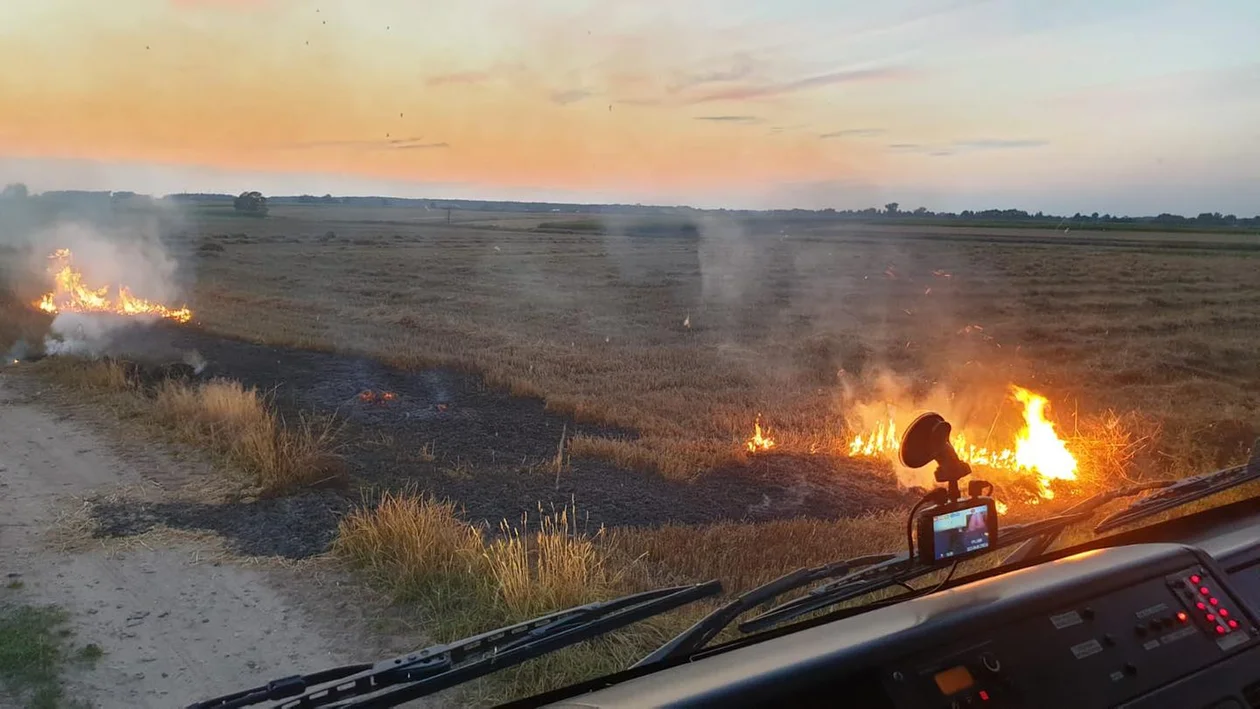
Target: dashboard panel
x,y
1167,622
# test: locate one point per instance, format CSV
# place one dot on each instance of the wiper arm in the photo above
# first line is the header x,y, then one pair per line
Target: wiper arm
x,y
902,569
1185,491
702,633
391,682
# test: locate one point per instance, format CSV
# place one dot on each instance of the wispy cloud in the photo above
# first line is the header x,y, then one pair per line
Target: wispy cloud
x,y
837,77
459,77
854,133
741,69
565,98
382,144
998,144
966,146
422,146
729,119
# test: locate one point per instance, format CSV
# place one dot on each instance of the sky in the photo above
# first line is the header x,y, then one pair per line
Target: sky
x,y
1116,106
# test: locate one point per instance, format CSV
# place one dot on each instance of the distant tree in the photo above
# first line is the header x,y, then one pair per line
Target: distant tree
x,y
252,203
891,207
920,211
17,190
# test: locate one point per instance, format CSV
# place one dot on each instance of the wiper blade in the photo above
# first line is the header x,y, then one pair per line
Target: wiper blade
x,y
1185,491
697,636
391,682
902,569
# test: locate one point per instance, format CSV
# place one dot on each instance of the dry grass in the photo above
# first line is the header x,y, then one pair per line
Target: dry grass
x,y
468,580
594,323
420,548
225,418
241,423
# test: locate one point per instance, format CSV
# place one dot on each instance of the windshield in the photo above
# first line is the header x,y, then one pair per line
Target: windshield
x,y
407,321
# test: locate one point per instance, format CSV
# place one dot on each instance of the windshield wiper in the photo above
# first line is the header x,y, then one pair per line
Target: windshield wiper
x,y
867,574
703,632
1185,491
391,682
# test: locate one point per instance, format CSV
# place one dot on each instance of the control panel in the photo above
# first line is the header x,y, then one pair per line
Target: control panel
x,y
1098,652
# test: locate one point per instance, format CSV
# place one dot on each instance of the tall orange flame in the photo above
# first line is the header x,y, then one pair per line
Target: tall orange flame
x,y
1036,449
72,295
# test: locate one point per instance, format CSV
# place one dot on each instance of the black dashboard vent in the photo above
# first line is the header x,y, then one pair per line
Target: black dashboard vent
x,y
1251,695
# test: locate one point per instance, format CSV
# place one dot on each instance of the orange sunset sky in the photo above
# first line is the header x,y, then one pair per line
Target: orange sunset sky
x,y
1065,105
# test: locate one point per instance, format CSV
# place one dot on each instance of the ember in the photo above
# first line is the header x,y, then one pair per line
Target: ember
x,y
71,295
1036,449
759,441
371,397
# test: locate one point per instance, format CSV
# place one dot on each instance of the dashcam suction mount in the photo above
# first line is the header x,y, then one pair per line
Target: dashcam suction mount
x,y
951,527
927,440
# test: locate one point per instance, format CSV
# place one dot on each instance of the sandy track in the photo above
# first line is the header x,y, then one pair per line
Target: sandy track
x,y
175,625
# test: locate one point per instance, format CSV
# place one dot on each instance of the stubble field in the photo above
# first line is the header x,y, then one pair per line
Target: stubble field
x,y
593,385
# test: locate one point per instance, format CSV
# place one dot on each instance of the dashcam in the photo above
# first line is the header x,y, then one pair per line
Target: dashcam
x,y
957,530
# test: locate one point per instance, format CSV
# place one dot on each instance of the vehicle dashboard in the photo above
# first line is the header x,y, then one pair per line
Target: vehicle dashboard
x,y
1165,616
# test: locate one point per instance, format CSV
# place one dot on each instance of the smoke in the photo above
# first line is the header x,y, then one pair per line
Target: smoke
x,y
131,254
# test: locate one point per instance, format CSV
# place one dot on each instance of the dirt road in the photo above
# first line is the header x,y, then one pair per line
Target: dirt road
x,y
175,625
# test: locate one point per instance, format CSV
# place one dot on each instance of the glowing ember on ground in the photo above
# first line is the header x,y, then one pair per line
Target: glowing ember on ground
x,y
71,295
1036,449
759,441
369,396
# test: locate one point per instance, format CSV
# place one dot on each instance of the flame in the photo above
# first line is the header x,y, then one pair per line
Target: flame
x,y
1001,506
369,396
759,442
1036,449
71,295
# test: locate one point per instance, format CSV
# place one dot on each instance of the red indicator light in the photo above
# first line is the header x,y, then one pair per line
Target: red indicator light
x,y
1220,630
1204,590
1195,579
1212,601
984,696
1211,618
1224,613
1233,623
1181,616
1201,606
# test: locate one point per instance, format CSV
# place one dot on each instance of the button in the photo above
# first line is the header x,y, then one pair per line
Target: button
x,y
990,662
1087,613
1140,630
1108,640
1130,669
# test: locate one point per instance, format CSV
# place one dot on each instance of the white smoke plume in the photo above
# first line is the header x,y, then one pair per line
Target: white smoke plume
x,y
132,256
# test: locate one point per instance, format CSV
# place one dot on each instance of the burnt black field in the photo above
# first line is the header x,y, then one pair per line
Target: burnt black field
x,y
446,433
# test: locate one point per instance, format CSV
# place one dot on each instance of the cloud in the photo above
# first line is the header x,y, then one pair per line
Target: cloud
x,y
966,146
741,69
459,77
565,98
422,146
854,133
837,77
998,144
384,144
729,119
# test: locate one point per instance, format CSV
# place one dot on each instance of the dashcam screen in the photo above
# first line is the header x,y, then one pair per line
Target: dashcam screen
x,y
960,532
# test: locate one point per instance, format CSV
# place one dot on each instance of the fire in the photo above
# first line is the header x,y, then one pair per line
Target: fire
x,y
369,396
759,441
1037,448
71,295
